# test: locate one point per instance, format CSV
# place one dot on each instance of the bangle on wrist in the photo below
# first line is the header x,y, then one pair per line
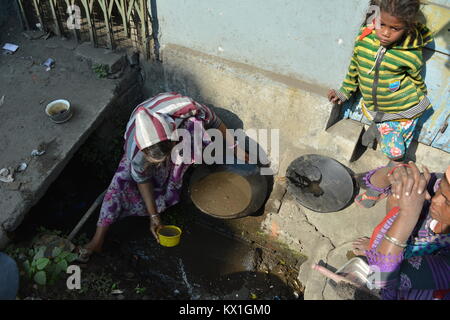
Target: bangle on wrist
x,y
395,241
154,215
398,166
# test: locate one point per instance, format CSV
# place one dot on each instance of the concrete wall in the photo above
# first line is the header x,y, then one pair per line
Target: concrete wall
x,y
268,68
310,40
253,98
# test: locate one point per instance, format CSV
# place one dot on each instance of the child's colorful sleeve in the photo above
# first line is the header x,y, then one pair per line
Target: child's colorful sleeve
x,y
417,78
415,72
350,84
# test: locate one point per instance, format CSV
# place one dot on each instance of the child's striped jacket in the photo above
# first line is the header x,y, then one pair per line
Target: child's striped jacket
x,y
389,78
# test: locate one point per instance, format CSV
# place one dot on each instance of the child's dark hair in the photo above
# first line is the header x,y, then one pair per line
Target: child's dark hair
x,y
160,150
405,10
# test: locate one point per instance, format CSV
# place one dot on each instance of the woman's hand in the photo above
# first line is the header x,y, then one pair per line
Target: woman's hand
x,y
155,225
333,97
241,154
409,187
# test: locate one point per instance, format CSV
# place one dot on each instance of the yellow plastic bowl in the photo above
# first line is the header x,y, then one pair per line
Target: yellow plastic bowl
x,y
169,236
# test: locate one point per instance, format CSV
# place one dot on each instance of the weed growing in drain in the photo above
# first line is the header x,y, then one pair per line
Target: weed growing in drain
x,y
101,70
46,260
140,290
43,265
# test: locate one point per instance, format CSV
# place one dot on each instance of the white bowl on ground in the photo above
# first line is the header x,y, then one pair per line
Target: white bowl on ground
x,y
59,111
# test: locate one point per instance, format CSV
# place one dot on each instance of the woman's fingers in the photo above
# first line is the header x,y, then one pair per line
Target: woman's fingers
x,y
154,230
426,173
396,186
427,176
406,181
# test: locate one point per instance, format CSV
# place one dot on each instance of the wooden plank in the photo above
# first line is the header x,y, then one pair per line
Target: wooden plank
x,y
436,78
442,140
437,17
55,18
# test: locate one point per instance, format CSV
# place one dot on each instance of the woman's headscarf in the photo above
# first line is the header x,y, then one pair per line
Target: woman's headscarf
x,y
157,119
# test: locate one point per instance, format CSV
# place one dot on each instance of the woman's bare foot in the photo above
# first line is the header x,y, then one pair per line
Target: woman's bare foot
x,y
360,245
86,251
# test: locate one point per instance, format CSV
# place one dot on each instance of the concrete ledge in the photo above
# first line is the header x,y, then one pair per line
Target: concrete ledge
x,y
291,226
343,137
26,126
114,61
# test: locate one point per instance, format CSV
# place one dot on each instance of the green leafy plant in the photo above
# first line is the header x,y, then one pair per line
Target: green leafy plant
x,y
101,70
46,270
140,290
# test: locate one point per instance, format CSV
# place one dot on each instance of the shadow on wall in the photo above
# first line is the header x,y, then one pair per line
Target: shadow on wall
x,y
8,14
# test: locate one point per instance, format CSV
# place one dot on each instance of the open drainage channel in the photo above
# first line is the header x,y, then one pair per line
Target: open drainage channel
x,y
210,263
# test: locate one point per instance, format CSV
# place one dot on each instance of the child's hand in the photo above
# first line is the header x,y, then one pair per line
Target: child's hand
x,y
333,97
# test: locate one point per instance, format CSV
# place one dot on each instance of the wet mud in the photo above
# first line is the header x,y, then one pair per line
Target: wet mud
x,y
222,194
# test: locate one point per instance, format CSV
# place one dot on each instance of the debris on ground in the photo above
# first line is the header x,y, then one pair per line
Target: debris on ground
x,y
6,175
37,153
49,63
10,48
35,35
21,167
117,291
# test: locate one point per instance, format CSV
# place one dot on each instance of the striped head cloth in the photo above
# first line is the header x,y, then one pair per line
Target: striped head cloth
x,y
157,120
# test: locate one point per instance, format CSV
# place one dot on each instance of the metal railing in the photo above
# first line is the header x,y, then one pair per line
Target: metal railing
x,y
105,23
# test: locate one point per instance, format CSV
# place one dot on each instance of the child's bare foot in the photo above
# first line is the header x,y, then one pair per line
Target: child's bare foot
x,y
360,245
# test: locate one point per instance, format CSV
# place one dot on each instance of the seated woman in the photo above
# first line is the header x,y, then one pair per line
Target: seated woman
x,y
410,248
147,180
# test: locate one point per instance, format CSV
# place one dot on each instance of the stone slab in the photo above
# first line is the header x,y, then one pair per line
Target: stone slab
x,y
101,56
27,88
342,138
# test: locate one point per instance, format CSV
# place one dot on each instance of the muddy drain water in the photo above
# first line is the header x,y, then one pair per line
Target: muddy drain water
x,y
222,193
209,265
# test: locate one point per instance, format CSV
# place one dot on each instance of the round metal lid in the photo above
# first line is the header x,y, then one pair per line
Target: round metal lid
x,y
320,183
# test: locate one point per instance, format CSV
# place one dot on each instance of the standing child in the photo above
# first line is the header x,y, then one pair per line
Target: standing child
x,y
385,67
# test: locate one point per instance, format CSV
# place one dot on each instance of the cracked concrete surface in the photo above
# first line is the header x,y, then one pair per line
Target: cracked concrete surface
x,y
323,237
27,87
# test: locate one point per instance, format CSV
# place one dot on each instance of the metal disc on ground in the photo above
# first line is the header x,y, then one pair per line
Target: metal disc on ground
x,y
228,191
320,183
